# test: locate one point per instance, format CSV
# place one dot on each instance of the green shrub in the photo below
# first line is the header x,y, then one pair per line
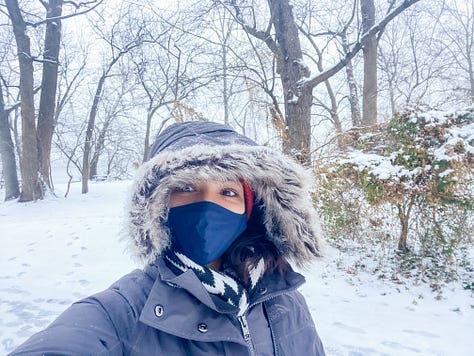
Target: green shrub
x,y
417,170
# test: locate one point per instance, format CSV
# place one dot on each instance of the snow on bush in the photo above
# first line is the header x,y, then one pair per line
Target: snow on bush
x,y
407,182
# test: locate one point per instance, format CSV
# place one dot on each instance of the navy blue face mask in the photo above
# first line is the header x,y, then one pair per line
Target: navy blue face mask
x,y
203,231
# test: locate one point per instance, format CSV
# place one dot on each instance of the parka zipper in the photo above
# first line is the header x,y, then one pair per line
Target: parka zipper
x,y
246,333
244,324
245,327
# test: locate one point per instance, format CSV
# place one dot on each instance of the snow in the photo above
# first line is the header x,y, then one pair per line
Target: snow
x,y
61,249
384,168
377,165
294,99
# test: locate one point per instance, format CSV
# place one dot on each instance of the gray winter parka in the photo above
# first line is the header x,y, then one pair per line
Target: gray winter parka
x,y
156,312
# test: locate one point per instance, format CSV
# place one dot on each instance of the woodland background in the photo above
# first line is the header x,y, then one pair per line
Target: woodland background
x,y
375,96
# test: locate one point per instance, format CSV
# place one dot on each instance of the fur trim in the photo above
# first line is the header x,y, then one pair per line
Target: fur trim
x,y
277,181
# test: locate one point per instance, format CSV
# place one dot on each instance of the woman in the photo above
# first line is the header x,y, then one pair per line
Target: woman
x,y
214,218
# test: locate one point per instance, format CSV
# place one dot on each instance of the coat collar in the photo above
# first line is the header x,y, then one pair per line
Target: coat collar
x,y
188,283
181,306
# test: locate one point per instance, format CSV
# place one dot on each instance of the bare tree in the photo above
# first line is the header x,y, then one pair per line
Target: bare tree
x,y
31,187
178,61
119,47
243,86
414,65
332,109
369,49
164,75
36,140
46,122
282,38
113,105
458,27
351,82
7,153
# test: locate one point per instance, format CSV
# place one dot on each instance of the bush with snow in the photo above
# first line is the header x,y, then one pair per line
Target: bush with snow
x,y
408,182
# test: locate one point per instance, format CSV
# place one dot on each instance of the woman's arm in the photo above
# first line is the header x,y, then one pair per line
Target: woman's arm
x,y
83,329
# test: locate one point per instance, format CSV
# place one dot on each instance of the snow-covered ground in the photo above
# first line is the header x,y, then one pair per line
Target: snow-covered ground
x,y
56,251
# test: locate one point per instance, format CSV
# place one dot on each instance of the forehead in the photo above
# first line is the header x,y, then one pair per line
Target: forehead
x,y
219,184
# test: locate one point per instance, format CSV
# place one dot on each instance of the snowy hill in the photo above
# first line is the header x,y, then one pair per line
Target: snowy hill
x,y
61,249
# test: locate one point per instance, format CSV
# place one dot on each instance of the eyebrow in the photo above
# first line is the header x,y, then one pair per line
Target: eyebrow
x,y
235,184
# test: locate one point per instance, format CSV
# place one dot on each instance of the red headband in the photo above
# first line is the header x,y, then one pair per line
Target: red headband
x,y
248,195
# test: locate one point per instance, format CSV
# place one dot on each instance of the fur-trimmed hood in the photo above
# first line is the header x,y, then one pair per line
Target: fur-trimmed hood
x,y
186,153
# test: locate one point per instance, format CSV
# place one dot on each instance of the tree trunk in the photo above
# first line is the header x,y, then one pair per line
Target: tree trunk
x,y
146,150
99,148
86,163
404,211
353,95
94,167
30,184
225,90
7,153
391,92
294,75
402,240
48,89
471,71
298,98
369,49
298,125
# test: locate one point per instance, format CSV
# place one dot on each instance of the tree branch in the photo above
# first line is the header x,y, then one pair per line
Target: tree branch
x,y
318,79
60,18
261,35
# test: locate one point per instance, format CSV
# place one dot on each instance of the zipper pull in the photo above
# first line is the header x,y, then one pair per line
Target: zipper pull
x,y
245,327
246,333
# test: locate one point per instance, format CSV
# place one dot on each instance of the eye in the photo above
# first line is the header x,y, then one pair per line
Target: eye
x,y
229,192
185,189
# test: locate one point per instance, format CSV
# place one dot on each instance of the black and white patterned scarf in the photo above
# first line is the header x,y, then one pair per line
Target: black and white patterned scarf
x,y
220,284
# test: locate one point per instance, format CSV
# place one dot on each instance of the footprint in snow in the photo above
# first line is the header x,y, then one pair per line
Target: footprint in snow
x,y
11,324
359,351
58,301
398,346
421,333
25,331
78,295
15,290
7,344
349,328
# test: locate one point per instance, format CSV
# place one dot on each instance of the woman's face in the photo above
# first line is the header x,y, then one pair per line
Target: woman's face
x,y
229,195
